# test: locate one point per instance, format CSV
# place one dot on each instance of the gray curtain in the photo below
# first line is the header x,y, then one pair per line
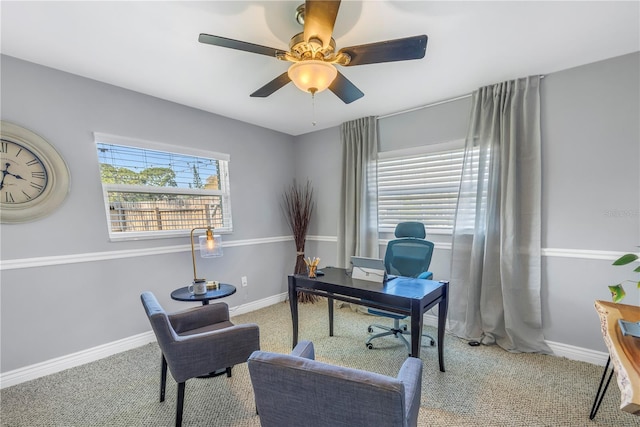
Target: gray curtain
x,y
358,216
495,265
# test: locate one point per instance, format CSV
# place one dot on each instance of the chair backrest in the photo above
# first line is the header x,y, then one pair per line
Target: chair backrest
x,y
409,255
159,320
313,393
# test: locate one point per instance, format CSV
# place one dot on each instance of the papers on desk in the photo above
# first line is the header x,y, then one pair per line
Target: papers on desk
x,y
630,328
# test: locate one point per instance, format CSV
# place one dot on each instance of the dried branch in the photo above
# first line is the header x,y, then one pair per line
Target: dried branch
x,y
298,204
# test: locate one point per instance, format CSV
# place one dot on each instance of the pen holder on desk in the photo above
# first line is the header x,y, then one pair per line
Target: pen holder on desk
x,y
312,271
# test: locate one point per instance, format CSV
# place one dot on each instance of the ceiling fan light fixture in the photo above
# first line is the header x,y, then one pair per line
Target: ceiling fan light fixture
x,y
312,75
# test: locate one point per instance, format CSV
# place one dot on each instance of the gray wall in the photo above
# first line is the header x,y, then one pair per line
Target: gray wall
x,y
591,186
318,156
590,191
79,305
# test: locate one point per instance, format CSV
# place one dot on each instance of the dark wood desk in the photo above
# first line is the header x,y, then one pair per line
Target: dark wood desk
x,y
183,294
402,295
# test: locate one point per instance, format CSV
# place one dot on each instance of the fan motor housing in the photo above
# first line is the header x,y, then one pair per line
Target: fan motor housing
x,y
312,49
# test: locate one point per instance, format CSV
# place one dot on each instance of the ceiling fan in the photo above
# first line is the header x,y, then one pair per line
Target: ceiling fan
x,y
313,53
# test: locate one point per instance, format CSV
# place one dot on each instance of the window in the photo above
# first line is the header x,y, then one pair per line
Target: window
x,y
154,190
420,184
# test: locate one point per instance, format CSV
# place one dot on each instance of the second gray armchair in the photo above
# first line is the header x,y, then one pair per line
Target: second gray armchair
x,y
198,341
295,390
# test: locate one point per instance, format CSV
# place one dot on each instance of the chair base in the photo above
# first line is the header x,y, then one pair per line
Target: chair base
x,y
181,387
397,330
217,373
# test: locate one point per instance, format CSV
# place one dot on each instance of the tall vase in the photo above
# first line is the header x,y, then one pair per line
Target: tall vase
x,y
297,204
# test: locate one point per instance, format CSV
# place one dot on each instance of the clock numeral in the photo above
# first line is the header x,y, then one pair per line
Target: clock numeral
x,y
8,198
38,175
26,195
36,186
3,147
33,162
19,151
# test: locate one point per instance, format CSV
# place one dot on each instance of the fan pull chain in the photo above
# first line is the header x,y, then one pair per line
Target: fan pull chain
x,y
313,108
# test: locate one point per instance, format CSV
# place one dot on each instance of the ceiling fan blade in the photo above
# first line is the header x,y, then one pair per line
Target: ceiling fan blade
x,y
344,89
238,45
272,86
387,51
319,18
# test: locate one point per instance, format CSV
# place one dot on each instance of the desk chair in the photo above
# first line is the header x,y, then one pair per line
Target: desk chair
x,y
198,341
409,255
296,390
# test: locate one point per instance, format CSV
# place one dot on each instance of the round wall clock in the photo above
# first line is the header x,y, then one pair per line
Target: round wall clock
x,y
34,179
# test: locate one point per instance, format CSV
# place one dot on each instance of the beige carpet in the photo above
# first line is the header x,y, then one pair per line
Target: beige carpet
x,y
483,386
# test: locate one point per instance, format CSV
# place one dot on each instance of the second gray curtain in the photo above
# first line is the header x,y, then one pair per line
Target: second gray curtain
x,y
358,216
495,267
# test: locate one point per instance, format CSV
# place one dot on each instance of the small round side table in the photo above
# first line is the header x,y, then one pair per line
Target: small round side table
x,y
183,294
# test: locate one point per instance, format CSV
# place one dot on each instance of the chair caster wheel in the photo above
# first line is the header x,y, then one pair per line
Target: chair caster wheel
x,y
433,343
369,346
404,327
370,329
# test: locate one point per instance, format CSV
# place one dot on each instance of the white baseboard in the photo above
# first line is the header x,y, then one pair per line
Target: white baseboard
x,y
257,305
559,349
579,353
48,367
58,364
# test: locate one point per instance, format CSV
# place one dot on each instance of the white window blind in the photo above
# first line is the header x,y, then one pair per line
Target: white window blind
x,y
160,193
420,185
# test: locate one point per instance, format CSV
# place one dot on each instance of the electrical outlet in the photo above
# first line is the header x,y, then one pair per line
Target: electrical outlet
x,y
244,281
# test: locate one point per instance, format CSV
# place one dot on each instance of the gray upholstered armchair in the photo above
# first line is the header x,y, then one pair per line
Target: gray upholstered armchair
x,y
197,342
295,390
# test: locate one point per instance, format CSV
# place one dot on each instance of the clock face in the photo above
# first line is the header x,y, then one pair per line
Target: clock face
x,y
24,177
34,179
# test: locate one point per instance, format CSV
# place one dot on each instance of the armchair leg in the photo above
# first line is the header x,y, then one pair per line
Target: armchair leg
x,y
179,404
229,371
163,378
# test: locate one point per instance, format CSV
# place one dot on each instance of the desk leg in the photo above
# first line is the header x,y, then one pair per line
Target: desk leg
x,y
416,328
330,302
601,391
293,304
443,306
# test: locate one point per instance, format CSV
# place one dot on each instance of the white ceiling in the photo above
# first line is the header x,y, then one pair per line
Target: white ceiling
x,y
152,47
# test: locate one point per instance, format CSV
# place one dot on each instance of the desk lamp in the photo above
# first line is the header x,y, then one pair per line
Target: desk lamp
x,y
210,247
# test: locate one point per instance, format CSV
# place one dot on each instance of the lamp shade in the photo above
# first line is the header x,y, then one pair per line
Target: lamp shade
x,y
312,75
210,246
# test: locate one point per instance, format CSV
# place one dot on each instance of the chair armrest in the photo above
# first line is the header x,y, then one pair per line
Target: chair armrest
x,y
411,376
198,317
210,351
304,349
426,275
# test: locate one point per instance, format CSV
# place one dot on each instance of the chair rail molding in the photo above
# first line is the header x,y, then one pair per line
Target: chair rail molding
x,y
14,264
20,263
582,253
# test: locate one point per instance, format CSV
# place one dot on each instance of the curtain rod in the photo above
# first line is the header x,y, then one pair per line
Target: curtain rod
x,y
444,101
424,106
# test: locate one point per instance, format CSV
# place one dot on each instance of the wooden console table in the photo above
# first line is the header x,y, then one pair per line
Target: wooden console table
x,y
624,351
